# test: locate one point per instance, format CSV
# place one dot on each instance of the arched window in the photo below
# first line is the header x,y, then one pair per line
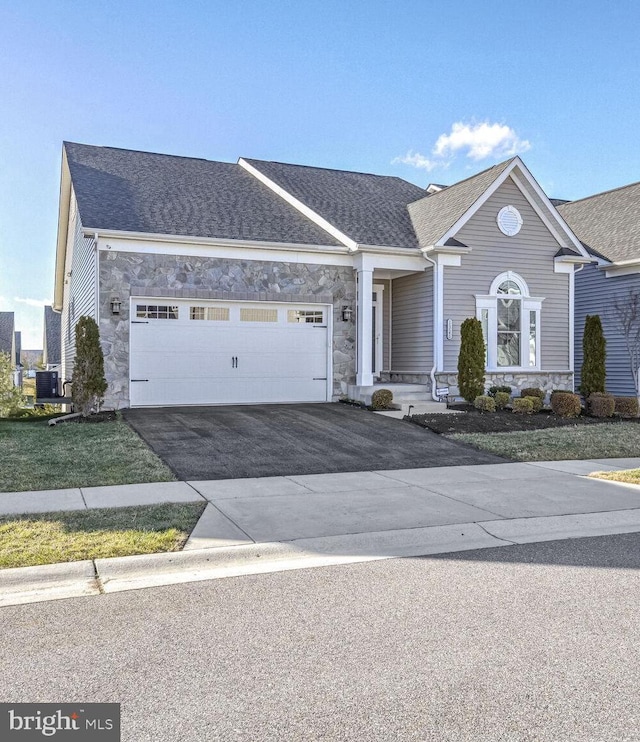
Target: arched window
x,y
510,320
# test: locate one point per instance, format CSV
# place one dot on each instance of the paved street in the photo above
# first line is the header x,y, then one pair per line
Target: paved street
x,y
533,642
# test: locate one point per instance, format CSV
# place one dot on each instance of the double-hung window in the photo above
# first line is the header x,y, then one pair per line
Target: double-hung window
x,y
510,320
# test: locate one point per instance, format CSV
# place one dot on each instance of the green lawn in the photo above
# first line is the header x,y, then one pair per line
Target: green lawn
x,y
35,456
553,444
47,538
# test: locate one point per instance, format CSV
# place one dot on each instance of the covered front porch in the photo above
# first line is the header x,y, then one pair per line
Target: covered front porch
x,y
394,328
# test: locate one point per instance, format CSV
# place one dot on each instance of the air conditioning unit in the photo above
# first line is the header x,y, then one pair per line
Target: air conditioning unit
x,y
47,384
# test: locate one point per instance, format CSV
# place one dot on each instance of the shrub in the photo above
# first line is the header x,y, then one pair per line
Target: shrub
x,y
10,395
532,391
88,384
502,400
536,402
593,374
626,406
523,405
602,405
565,404
485,403
493,390
382,399
471,360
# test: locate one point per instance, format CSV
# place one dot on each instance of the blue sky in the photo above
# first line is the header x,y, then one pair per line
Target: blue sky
x,y
428,91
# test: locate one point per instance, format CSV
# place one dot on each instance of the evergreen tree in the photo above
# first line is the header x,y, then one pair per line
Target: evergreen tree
x,y
10,395
88,384
471,360
594,354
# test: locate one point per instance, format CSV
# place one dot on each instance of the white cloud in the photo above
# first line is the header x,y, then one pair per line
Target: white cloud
x,y
476,141
33,302
416,160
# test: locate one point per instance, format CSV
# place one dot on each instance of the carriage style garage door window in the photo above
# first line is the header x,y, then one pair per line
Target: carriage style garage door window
x,y
192,352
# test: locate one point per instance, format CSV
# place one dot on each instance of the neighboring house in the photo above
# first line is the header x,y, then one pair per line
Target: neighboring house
x,y
17,379
608,224
31,362
52,340
265,282
8,341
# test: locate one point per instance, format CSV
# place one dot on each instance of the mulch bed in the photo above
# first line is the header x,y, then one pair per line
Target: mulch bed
x,y
503,421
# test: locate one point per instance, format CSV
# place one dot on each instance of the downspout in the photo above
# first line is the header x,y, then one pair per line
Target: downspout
x,y
432,374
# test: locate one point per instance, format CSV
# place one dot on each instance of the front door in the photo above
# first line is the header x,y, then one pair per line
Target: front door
x,y
376,328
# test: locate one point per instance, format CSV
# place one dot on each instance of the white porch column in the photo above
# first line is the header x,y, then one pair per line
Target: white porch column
x,y
364,328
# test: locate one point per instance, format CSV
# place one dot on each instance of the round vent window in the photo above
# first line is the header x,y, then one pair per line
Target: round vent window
x,y
509,221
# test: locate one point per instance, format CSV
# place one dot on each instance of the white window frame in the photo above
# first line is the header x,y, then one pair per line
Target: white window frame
x,y
528,304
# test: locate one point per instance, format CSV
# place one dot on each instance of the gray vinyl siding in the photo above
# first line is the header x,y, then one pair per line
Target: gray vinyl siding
x,y
594,294
412,323
81,295
530,254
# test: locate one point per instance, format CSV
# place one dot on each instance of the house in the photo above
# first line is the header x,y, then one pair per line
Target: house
x,y
8,338
608,224
258,281
52,340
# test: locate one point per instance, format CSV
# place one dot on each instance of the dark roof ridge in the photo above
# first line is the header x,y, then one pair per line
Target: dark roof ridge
x,y
147,152
602,193
328,169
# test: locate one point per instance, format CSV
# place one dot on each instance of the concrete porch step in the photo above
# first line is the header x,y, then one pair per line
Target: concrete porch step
x,y
410,393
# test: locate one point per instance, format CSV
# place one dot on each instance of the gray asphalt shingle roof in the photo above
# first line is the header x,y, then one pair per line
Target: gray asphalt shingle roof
x,y
433,215
371,209
126,190
6,332
608,224
52,335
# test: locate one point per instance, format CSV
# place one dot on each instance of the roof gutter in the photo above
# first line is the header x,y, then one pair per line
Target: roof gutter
x,y
434,368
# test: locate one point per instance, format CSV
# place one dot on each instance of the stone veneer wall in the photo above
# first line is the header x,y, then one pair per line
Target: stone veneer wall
x,y
517,380
125,274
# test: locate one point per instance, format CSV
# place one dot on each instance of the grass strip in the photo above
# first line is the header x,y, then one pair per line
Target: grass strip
x,y
628,476
47,538
580,442
35,456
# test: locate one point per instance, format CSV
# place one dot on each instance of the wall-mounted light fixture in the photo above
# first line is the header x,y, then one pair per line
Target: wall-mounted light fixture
x,y
347,314
449,329
115,305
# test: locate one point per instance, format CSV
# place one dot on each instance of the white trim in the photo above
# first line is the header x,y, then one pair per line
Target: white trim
x,y
528,304
477,204
212,241
611,271
534,205
500,179
364,372
299,206
572,284
378,289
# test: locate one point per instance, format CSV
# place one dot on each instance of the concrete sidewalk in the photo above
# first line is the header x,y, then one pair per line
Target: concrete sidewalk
x,y
276,523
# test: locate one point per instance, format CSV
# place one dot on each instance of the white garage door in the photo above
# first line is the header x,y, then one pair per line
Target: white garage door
x,y
190,352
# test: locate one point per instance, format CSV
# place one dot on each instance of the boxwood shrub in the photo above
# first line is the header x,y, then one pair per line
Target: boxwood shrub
x,y
493,390
601,404
565,404
382,399
532,391
536,402
502,400
485,403
523,405
626,406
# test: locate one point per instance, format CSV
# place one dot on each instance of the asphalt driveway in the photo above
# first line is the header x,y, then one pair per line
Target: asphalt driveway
x,y
200,443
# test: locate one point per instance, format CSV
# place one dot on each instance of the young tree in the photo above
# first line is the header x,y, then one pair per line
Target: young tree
x,y
88,384
471,360
626,314
594,355
10,395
